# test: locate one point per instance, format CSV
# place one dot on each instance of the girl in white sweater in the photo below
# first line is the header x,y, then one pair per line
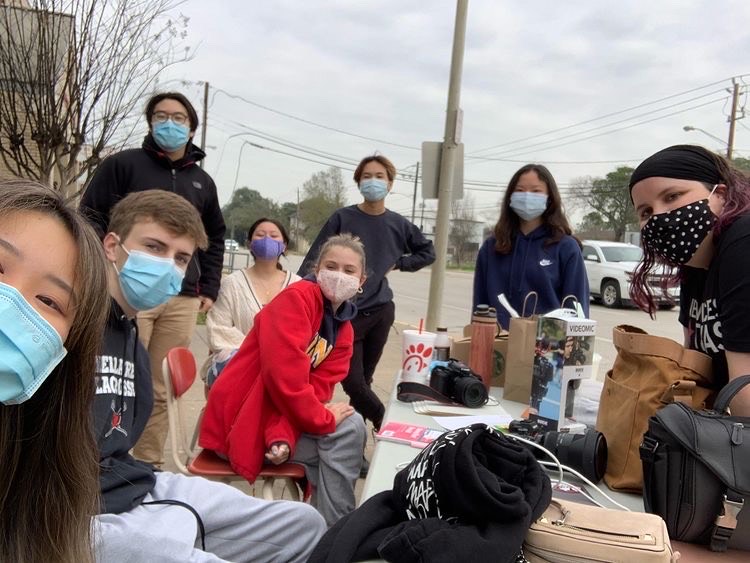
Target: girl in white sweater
x,y
244,293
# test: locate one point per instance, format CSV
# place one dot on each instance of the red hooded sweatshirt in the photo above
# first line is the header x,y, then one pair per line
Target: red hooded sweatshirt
x,y
275,387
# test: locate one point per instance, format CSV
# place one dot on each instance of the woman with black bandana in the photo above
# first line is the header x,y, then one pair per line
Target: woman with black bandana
x,y
694,213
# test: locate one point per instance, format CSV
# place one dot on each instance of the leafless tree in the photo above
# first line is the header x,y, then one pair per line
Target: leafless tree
x,y
71,74
463,230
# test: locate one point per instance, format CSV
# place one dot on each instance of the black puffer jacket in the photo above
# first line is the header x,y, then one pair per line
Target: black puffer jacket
x,y
471,495
148,168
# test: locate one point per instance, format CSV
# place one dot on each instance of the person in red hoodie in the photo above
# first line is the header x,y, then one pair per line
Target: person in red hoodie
x,y
271,402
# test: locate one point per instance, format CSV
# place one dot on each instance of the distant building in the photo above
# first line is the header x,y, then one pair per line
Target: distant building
x,y
22,71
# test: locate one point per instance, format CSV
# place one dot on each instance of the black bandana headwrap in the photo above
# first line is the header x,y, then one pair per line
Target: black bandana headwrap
x,y
683,162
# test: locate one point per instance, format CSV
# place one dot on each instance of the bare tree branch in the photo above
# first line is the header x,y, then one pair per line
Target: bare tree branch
x,y
463,230
72,72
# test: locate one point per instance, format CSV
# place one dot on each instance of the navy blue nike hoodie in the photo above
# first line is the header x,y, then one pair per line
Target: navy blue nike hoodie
x,y
554,271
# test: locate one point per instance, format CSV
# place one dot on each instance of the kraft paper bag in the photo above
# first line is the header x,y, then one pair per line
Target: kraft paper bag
x,y
460,350
519,361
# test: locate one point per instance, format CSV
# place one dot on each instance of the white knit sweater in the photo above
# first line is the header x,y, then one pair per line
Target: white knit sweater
x,y
232,316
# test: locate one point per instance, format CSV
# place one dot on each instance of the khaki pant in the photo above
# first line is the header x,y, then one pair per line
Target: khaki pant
x,y
161,329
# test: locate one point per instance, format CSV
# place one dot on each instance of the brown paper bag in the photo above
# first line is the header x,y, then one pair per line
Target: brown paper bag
x,y
460,350
519,364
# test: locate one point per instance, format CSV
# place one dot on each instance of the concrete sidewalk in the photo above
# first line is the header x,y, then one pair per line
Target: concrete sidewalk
x,y
390,363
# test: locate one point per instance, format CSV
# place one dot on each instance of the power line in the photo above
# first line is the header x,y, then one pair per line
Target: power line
x,y
406,176
522,151
605,116
307,121
291,144
625,120
524,161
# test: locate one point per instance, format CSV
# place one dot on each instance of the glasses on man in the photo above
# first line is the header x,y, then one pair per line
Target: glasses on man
x,y
163,116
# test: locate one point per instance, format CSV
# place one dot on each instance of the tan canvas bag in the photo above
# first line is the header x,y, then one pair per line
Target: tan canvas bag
x,y
649,372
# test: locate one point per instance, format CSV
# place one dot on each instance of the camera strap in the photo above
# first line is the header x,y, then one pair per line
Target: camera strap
x,y
409,391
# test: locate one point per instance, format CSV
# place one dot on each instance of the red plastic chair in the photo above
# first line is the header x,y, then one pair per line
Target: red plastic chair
x,y
179,369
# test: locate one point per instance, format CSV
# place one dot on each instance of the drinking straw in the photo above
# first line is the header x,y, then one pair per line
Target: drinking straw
x,y
421,321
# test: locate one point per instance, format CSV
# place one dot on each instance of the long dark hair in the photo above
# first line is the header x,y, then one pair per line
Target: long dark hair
x,y
48,459
509,224
737,203
282,230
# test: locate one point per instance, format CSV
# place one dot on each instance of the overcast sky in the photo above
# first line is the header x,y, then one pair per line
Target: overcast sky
x,y
379,69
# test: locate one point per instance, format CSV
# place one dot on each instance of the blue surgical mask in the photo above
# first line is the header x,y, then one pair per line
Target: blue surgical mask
x,y
528,205
148,281
266,248
170,136
30,347
373,189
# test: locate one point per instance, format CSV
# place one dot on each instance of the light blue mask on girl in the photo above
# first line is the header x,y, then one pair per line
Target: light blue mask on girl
x,y
30,347
170,136
373,189
528,205
147,281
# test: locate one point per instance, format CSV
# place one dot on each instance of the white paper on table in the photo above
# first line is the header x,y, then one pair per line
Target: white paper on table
x,y
436,408
455,422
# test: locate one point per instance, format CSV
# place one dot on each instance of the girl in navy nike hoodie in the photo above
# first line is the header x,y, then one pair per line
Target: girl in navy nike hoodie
x,y
532,249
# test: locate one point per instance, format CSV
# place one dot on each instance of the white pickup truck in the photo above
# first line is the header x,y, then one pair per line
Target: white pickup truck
x,y
609,267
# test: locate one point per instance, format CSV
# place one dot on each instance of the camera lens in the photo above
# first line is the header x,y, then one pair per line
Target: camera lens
x,y
470,391
585,452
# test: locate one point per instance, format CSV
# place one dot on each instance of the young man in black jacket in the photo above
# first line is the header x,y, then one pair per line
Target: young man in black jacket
x,y
147,515
167,160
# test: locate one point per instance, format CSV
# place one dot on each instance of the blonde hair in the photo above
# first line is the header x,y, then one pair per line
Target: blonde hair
x,y
346,240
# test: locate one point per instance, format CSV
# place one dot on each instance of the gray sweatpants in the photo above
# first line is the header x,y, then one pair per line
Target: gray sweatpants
x,y
332,463
238,527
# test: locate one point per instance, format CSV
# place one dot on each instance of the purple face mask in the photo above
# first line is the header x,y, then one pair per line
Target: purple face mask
x,y
266,248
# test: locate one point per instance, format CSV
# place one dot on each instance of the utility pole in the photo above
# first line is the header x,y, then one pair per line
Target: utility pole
x,y
447,168
414,197
205,121
733,117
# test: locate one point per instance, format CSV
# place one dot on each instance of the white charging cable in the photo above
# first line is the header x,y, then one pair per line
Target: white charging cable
x,y
560,468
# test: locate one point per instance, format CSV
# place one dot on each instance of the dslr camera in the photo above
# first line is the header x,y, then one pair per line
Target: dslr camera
x,y
457,381
586,452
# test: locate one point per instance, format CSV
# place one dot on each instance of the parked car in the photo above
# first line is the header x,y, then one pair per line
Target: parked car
x,y
609,267
231,245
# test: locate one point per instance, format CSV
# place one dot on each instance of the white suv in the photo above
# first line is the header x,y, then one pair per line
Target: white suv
x,y
609,267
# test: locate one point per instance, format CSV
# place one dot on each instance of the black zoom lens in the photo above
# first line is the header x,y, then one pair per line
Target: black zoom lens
x,y
585,452
470,391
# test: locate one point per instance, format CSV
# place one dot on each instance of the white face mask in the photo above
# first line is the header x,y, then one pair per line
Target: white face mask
x,y
337,286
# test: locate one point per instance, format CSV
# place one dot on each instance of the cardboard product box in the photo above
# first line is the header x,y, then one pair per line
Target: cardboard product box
x,y
460,350
564,355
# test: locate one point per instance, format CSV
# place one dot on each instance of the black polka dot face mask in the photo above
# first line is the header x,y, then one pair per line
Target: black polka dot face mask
x,y
676,235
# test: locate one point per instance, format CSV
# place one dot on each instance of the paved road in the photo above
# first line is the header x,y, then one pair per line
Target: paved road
x,y
411,291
